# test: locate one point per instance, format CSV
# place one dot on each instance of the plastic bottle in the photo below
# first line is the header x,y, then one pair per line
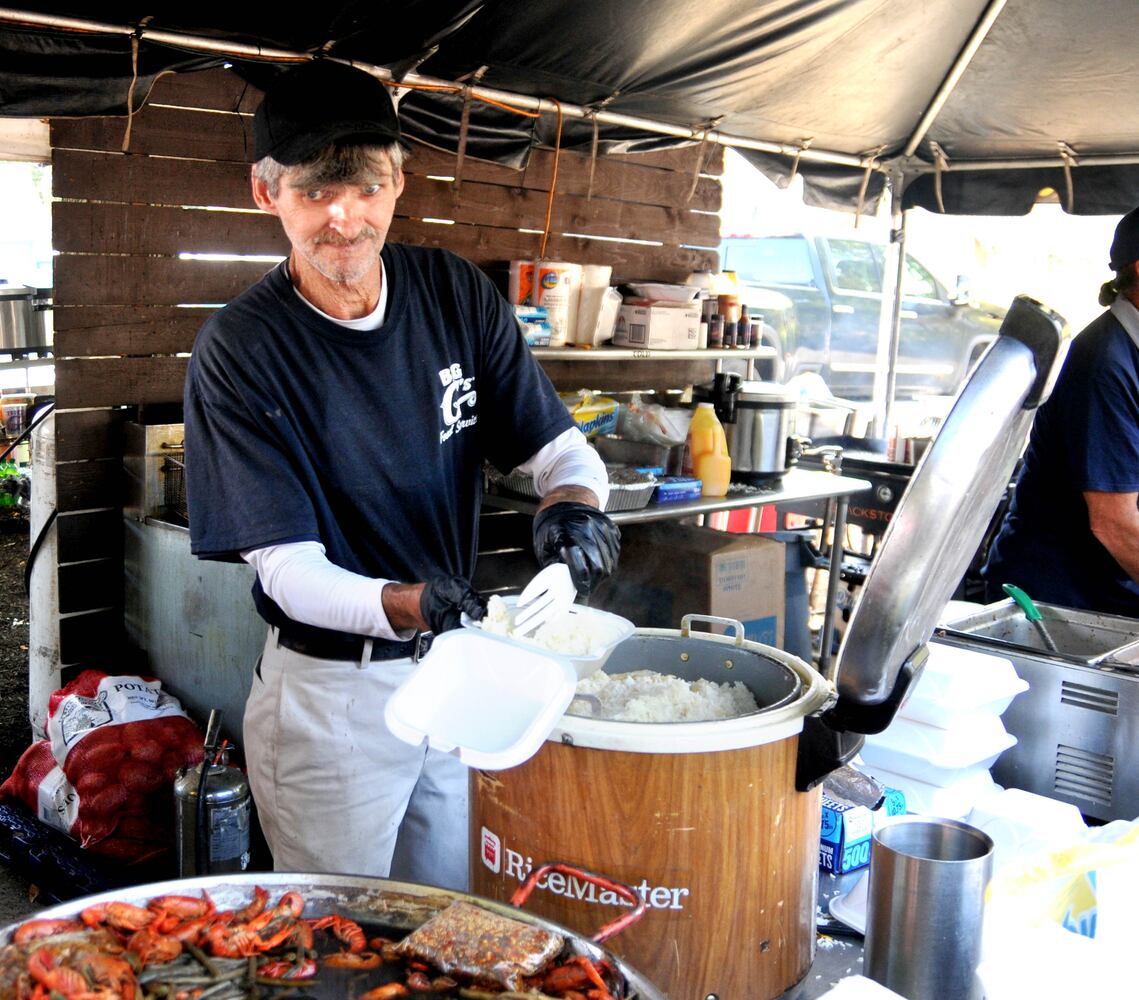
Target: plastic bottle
x,y
716,331
708,452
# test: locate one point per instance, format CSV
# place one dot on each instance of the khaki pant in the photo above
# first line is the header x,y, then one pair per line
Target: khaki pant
x,y
334,790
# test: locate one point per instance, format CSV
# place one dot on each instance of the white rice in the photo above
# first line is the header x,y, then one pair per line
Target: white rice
x,y
568,633
648,696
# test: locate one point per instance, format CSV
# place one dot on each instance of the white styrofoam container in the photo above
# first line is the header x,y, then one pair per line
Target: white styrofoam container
x,y
608,629
490,703
936,755
953,800
1022,823
958,683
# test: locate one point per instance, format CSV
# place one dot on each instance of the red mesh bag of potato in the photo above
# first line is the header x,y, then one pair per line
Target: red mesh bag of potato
x,y
119,742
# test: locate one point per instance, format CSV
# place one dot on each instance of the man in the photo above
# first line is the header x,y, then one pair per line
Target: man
x,y
1071,536
338,414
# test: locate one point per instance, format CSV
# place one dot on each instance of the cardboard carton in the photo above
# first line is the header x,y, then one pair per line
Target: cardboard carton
x,y
844,841
658,326
669,570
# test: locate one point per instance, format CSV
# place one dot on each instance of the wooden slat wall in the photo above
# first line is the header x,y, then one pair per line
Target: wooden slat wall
x,y
128,304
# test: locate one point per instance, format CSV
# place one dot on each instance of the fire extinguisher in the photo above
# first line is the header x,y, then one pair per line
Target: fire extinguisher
x,y
214,810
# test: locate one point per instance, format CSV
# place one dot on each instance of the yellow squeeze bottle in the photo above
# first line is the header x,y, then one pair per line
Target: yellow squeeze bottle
x,y
708,448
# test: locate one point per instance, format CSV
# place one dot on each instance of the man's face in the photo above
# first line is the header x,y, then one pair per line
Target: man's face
x,y
337,229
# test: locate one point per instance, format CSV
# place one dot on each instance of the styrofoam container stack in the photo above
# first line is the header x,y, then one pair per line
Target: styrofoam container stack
x,y
948,733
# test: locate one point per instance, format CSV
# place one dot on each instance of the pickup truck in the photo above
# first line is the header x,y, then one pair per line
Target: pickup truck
x,y
836,287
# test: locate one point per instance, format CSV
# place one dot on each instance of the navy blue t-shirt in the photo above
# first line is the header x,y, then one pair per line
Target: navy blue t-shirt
x,y
1085,437
369,442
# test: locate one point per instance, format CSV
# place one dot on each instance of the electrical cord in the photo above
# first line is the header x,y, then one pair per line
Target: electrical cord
x,y
34,550
39,419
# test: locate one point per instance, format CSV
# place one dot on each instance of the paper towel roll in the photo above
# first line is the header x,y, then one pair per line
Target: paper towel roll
x,y
557,286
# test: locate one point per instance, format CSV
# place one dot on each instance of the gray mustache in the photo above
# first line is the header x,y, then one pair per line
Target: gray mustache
x,y
334,239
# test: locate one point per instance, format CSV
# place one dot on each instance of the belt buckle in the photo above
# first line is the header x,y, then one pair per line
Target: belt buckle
x,y
422,645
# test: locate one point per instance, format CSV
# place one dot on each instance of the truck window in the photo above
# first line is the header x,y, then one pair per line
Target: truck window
x,y
772,261
918,283
853,266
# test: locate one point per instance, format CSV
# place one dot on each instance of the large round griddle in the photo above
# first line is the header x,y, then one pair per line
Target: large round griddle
x,y
381,906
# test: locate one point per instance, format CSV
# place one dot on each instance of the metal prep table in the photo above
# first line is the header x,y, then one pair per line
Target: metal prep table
x,y
797,485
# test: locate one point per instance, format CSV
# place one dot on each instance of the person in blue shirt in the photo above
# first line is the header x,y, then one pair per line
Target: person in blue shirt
x,y
337,418
1071,535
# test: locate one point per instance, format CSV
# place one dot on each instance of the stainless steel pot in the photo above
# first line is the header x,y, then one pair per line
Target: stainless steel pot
x,y
757,419
22,313
399,905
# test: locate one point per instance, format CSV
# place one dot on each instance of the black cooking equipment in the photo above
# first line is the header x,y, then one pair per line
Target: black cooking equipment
x,y
872,509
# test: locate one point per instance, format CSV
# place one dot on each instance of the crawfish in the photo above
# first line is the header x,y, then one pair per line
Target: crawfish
x,y
357,960
120,916
174,911
111,972
32,930
253,908
575,975
348,932
153,948
45,970
282,969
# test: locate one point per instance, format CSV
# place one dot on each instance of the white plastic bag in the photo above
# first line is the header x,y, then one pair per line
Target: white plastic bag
x,y
1062,924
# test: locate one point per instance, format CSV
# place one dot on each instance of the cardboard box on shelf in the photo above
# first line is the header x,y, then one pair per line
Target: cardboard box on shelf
x,y
659,326
670,570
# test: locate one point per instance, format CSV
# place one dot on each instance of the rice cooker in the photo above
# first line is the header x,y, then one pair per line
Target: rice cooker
x,y
758,420
716,824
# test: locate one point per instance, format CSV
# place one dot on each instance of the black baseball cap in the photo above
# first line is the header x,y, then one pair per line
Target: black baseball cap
x,y
317,104
1125,246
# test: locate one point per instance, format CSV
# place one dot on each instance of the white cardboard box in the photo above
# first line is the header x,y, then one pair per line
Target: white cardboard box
x,y
658,326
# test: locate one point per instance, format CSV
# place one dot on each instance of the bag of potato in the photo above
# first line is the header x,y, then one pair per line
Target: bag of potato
x,y
106,773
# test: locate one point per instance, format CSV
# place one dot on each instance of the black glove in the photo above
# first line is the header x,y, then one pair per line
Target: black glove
x,y
580,536
445,598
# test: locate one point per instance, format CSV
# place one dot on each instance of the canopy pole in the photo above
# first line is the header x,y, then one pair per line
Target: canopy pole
x,y
890,315
980,30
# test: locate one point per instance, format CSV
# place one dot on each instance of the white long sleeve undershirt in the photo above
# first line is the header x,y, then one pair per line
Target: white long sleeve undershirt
x,y
312,590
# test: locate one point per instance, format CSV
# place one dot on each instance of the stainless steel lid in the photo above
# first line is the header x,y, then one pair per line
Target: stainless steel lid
x,y
764,394
942,517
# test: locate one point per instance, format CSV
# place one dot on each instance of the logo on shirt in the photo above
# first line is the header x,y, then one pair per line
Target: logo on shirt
x,y
457,393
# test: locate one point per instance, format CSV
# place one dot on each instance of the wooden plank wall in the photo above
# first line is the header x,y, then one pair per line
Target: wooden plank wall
x,y
132,289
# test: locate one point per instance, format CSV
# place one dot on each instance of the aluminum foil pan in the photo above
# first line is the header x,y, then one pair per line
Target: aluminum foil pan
x,y
622,496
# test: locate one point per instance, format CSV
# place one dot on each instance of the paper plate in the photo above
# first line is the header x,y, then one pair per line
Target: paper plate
x,y
490,703
850,907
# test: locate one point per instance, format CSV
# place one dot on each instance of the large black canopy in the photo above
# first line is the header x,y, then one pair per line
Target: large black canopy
x,y
1045,98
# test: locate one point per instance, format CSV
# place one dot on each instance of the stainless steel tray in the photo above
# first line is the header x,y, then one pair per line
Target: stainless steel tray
x,y
371,901
1081,636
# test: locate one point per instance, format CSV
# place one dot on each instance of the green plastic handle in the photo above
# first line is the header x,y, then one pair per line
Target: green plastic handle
x,y
1023,601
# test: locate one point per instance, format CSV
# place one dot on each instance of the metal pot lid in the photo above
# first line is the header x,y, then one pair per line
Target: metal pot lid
x,y
15,291
941,519
787,689
766,393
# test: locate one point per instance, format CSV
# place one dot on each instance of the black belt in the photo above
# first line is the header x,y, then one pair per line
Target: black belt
x,y
345,648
